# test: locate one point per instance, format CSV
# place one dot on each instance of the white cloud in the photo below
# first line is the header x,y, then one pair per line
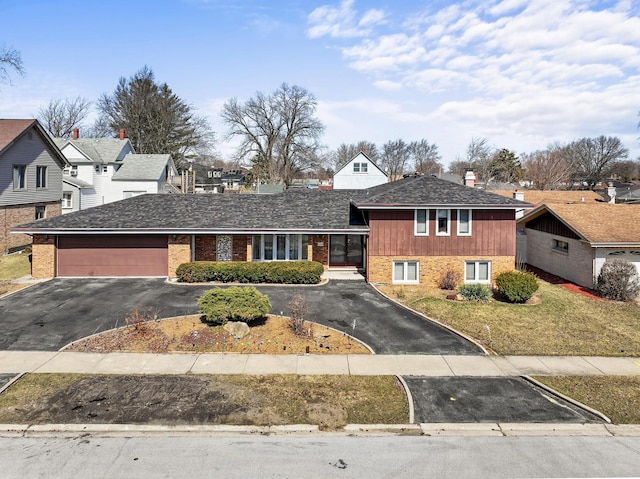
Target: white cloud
x,y
342,21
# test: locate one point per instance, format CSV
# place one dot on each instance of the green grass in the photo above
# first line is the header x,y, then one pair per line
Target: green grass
x,y
562,323
615,396
14,266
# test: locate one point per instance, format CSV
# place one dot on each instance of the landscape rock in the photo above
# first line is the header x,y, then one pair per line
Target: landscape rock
x,y
237,328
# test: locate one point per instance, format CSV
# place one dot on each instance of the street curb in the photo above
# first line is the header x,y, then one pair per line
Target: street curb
x,y
427,430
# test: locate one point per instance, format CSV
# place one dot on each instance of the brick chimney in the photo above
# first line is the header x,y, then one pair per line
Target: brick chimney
x,y
469,179
123,134
76,133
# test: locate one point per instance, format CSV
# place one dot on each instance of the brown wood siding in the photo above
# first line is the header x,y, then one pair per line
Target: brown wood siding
x,y
112,255
547,223
392,234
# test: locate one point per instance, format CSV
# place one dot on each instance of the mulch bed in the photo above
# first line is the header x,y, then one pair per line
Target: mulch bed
x,y
566,284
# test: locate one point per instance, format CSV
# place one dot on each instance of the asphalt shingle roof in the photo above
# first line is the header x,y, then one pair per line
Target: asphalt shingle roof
x,y
596,222
99,150
430,191
11,129
142,167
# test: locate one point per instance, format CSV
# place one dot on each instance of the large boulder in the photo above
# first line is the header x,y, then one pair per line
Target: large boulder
x,y
237,328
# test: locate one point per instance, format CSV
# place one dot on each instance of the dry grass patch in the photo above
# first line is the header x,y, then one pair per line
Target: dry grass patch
x,y
190,334
327,401
615,396
12,267
555,322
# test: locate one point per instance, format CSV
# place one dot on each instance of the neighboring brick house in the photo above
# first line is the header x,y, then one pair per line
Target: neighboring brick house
x,y
408,231
573,240
30,179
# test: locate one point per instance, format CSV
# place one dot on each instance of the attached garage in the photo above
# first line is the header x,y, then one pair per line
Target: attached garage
x,y
112,255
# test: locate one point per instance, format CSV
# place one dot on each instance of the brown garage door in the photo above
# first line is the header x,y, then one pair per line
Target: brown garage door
x,y
112,255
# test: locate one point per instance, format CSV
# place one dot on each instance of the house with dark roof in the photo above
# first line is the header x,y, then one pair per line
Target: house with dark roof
x,y
405,232
103,170
574,240
30,178
359,173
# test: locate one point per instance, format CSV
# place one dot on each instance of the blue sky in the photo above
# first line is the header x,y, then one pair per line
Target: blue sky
x,y
521,73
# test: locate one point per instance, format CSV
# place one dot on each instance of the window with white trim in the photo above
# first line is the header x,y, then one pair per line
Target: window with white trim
x,y
279,247
360,167
19,177
421,222
477,271
464,222
443,222
41,176
406,271
67,197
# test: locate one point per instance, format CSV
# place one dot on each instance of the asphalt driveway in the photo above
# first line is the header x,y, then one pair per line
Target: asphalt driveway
x,y
52,314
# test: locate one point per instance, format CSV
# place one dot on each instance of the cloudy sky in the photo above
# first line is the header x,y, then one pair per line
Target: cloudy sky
x,y
521,73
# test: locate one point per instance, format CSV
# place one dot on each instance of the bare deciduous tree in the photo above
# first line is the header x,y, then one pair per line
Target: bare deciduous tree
x,y
547,169
61,117
279,132
425,156
345,153
593,158
10,59
395,158
478,158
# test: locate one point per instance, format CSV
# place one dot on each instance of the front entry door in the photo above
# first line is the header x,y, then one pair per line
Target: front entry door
x,y
346,250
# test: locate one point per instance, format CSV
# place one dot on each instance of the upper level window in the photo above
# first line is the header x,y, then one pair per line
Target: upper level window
x,y
443,220
421,222
360,167
41,176
464,222
20,177
67,198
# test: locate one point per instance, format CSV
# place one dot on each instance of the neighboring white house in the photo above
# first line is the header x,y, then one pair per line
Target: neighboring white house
x,y
93,177
358,174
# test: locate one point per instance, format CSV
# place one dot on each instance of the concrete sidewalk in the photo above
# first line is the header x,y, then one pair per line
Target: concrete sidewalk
x,y
402,365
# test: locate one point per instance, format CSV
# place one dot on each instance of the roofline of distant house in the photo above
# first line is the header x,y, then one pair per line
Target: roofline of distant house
x,y
465,206
186,231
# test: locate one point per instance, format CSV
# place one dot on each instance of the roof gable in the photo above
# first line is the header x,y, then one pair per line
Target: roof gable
x,y
12,130
143,167
360,157
594,222
102,150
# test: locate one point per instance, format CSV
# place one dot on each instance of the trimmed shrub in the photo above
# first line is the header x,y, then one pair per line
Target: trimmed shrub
x,y
281,272
449,280
475,292
618,280
516,286
238,303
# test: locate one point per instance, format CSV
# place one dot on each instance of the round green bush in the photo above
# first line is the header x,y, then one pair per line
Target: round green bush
x,y
238,303
475,292
516,286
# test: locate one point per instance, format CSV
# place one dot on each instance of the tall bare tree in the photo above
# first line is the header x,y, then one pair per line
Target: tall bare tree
x,y
60,117
425,156
477,157
10,60
548,169
278,133
156,120
395,158
593,158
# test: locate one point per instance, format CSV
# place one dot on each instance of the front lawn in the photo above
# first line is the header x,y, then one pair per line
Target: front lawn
x,y
559,322
14,266
614,396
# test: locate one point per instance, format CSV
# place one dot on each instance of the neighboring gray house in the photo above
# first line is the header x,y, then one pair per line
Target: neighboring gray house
x,y
358,174
30,178
94,175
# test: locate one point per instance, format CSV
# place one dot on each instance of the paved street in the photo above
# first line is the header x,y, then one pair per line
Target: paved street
x,y
319,457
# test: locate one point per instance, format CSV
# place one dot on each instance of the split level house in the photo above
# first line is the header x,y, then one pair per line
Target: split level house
x,y
30,179
409,231
104,170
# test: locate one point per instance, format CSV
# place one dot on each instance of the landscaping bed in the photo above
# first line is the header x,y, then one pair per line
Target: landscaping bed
x,y
327,401
189,334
